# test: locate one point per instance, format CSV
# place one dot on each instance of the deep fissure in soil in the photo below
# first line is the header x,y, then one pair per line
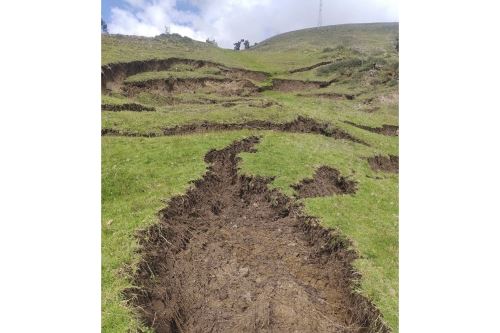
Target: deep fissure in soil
x,y
232,255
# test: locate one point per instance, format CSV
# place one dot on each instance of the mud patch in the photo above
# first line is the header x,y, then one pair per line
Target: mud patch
x,y
389,130
299,125
325,182
384,163
233,256
126,107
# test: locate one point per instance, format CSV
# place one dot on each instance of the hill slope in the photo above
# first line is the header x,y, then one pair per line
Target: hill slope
x,y
323,105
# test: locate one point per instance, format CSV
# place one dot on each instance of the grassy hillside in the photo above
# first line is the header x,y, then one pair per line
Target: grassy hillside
x,y
343,79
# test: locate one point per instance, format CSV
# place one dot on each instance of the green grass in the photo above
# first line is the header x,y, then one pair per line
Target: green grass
x,y
139,174
146,76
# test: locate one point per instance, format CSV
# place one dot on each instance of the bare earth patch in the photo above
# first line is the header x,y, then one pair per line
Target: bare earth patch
x,y
233,256
326,181
384,163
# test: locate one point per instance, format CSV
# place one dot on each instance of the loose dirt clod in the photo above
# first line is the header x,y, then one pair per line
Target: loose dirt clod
x,y
389,130
126,107
326,181
233,256
384,163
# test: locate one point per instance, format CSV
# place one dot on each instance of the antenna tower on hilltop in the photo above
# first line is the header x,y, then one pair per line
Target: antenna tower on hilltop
x,y
320,16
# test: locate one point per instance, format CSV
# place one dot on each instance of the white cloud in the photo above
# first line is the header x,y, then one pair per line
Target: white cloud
x,y
231,20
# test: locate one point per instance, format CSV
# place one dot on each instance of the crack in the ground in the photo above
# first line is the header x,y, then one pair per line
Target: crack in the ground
x,y
221,86
300,125
389,130
308,68
115,74
231,255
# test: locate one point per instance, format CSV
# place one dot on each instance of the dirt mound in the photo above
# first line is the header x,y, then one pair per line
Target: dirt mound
x,y
384,163
221,86
308,68
114,74
389,130
299,125
233,256
126,107
326,181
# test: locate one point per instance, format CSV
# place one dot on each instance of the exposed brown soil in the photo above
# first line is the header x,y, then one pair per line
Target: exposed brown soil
x,y
384,163
233,256
299,125
326,181
115,74
126,107
308,68
330,95
221,86
389,130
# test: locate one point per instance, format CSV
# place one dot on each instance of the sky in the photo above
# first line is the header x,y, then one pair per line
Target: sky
x,y
228,21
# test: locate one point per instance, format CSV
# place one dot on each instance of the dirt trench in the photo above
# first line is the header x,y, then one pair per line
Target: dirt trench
x,y
233,256
325,182
299,125
389,130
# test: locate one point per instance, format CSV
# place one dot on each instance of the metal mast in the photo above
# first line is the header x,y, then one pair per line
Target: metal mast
x,y
320,16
